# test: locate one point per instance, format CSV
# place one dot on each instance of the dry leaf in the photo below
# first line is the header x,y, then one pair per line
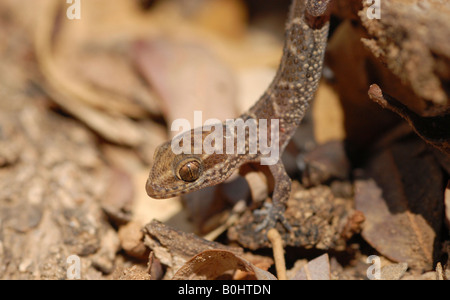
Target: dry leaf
x,y
173,247
155,267
104,113
443,159
325,162
393,271
419,58
434,130
328,115
119,197
352,66
400,194
188,78
212,264
316,269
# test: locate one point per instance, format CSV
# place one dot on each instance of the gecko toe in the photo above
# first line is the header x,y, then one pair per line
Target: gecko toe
x,y
274,214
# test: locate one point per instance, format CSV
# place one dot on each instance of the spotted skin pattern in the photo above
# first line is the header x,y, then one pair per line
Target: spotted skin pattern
x,y
286,99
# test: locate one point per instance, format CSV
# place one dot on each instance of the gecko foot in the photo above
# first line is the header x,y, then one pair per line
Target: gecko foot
x,y
274,214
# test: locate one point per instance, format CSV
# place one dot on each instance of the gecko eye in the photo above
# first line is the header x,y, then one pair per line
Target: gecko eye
x,y
189,170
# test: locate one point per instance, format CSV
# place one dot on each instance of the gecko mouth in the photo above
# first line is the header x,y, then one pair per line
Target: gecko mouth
x,y
153,191
158,192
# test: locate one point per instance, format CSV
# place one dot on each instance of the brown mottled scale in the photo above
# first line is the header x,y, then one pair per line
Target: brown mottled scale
x,y
300,70
286,99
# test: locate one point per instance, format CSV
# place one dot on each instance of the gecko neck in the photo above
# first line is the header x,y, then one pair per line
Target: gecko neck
x,y
298,75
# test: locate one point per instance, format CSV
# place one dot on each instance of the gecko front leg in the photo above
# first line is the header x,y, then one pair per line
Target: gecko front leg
x,y
280,196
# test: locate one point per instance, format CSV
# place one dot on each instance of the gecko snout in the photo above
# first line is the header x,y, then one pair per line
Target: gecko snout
x,y
152,191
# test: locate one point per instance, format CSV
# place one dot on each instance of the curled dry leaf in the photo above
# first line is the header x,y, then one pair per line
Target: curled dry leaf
x,y
173,247
212,264
400,194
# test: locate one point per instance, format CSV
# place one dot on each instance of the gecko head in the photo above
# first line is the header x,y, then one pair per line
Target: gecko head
x,y
175,174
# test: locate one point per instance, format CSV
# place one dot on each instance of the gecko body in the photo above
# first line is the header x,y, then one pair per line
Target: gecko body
x,y
285,100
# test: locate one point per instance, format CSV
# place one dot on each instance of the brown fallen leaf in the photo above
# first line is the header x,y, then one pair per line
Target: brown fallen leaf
x,y
155,269
212,264
443,159
108,70
393,271
316,269
173,247
416,57
188,77
108,118
400,194
352,66
262,262
118,201
325,162
434,130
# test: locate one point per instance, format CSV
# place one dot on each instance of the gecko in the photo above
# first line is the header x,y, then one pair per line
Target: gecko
x,y
286,99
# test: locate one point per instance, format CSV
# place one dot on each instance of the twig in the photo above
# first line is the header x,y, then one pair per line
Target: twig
x,y
278,253
439,272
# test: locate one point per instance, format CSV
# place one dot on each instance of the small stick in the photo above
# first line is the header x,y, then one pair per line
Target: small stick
x,y
439,272
278,253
